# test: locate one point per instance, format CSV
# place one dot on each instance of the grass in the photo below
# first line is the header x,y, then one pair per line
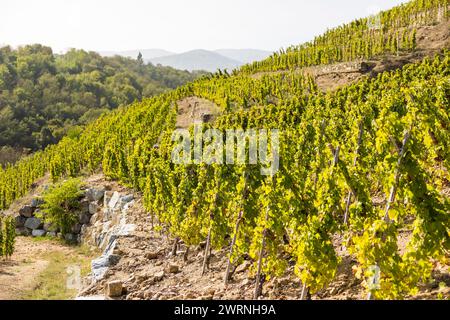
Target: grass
x,y
54,282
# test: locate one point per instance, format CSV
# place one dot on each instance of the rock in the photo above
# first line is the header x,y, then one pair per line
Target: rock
x,y
84,218
107,197
76,228
70,237
83,229
158,276
50,227
151,255
84,206
128,198
172,268
95,194
33,223
20,221
22,231
243,267
26,211
51,234
93,208
38,233
37,202
114,288
114,200
114,259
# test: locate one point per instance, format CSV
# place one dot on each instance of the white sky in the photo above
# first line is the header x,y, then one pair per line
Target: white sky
x,y
175,25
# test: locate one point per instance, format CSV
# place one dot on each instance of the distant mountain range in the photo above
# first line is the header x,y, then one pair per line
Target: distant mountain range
x,y
197,59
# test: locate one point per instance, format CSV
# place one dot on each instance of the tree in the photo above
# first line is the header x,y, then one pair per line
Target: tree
x,y
140,59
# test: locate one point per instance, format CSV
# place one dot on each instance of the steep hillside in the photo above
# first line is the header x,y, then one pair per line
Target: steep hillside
x,y
44,95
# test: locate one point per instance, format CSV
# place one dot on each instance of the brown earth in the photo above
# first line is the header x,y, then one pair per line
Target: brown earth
x,y
195,109
19,275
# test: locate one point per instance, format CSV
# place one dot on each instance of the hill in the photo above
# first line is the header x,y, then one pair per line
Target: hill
x,y
44,95
147,54
197,60
244,55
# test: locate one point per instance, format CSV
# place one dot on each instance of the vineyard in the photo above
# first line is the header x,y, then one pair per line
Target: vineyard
x,y
357,165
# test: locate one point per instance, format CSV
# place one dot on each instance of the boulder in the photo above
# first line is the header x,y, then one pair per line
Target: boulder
x,y
114,259
107,198
84,218
26,211
70,237
49,227
33,223
128,198
22,231
38,233
114,288
114,200
93,208
51,234
76,228
37,202
84,206
20,221
95,194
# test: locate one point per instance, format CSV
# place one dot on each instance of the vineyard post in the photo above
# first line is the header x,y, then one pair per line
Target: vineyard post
x,y
305,290
236,230
258,286
207,254
233,242
395,185
355,159
397,175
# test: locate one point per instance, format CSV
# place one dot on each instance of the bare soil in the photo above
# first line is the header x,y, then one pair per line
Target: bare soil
x,y
195,109
19,275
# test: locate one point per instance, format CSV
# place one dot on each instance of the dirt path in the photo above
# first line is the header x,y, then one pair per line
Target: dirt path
x,y
21,276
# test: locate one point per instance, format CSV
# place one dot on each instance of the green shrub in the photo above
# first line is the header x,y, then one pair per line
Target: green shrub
x,y
60,204
7,236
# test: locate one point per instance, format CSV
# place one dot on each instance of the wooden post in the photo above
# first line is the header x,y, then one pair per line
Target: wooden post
x,y
355,160
258,287
233,242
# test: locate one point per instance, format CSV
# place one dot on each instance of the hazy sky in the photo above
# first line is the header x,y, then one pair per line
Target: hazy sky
x,y
175,25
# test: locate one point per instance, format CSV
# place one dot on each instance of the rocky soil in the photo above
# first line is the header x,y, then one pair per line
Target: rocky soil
x,y
144,267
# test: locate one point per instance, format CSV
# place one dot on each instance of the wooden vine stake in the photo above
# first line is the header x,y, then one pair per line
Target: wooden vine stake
x,y
394,186
233,242
207,255
355,159
305,291
236,230
258,285
207,252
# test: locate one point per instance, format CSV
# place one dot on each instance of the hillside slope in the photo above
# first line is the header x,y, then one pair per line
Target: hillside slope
x,y
44,95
